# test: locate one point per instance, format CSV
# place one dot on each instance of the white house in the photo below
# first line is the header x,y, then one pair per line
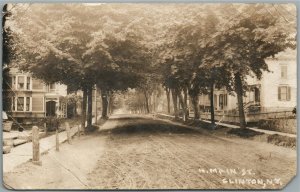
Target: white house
x,y
275,92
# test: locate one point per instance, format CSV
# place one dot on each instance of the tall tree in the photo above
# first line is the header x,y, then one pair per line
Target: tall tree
x,y
7,55
248,40
77,44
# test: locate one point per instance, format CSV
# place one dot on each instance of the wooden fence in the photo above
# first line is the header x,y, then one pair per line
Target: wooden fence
x,y
250,117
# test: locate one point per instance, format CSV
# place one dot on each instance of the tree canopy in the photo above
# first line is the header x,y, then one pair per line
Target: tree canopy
x,y
187,48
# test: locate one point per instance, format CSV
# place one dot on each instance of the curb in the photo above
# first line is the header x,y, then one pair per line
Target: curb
x,y
170,117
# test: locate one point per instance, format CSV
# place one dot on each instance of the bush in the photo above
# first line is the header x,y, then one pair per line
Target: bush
x,y
280,140
245,133
286,125
52,123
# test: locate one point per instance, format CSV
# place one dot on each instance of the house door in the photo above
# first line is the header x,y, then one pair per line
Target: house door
x,y
50,108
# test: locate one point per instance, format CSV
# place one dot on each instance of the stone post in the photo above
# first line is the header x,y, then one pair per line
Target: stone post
x,y
68,130
79,130
45,126
35,146
57,140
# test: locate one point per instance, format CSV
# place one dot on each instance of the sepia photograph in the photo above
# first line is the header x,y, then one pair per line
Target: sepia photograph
x,y
149,96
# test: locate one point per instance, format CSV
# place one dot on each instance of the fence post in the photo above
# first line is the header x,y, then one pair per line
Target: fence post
x,y
45,126
57,140
68,130
79,129
35,146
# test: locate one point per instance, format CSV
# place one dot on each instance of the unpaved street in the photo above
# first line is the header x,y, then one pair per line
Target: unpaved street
x,y
143,153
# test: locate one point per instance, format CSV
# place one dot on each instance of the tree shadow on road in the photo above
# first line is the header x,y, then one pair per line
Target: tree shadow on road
x,y
152,128
245,133
128,118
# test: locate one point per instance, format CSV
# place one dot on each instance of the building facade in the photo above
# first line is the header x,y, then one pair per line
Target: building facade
x,y
32,98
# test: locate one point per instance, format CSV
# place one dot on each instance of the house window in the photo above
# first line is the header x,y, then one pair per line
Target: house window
x,y
28,83
284,93
27,103
256,95
52,86
20,104
222,101
21,82
284,71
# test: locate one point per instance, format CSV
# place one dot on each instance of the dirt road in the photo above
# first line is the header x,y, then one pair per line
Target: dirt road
x,y
139,153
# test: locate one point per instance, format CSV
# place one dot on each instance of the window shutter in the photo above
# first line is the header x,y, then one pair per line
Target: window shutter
x,y
215,101
288,93
13,104
285,72
279,94
27,103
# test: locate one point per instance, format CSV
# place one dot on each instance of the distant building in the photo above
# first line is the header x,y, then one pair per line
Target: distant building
x,y
32,98
275,92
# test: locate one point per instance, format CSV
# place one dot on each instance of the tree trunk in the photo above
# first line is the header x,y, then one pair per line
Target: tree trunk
x,y
75,106
154,102
212,107
168,100
74,109
146,102
104,104
108,104
239,92
174,98
96,106
195,100
83,107
90,107
182,103
150,102
185,97
111,99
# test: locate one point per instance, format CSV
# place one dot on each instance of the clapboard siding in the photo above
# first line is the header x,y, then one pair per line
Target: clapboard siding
x,y
37,104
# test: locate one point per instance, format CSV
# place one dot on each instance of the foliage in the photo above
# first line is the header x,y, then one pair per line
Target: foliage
x,y
185,48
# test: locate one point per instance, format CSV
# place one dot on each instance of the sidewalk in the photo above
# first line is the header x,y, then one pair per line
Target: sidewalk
x,y
236,126
15,134
255,129
23,153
